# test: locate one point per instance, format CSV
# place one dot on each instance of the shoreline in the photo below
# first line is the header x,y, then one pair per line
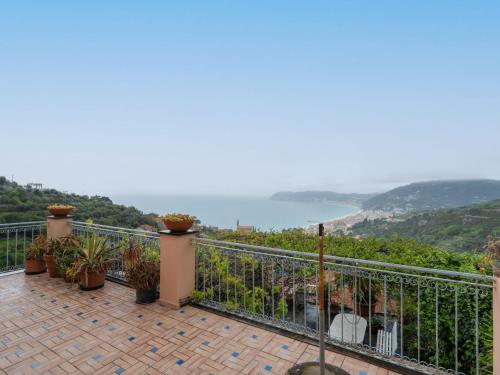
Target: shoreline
x,y
345,223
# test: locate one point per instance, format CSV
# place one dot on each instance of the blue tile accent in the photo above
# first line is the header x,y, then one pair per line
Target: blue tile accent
x,y
19,353
235,354
97,357
76,345
5,340
119,371
181,333
254,337
268,367
60,334
284,347
180,362
94,321
35,364
111,328
154,349
205,343
131,338
227,327
362,373
159,324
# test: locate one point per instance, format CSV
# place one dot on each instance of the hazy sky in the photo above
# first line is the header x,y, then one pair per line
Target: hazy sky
x,y
248,97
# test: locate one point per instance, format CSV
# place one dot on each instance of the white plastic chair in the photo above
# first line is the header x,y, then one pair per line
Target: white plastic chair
x,y
387,341
348,328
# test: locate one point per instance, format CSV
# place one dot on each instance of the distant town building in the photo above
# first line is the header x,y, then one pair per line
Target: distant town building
x,y
244,229
34,185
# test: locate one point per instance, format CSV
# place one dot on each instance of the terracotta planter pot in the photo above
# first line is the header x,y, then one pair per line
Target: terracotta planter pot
x,y
60,212
33,267
50,261
178,226
91,280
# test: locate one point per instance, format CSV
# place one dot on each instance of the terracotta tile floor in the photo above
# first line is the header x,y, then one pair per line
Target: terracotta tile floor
x,y
49,327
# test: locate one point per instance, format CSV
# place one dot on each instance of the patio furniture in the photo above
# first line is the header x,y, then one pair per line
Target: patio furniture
x,y
348,328
387,341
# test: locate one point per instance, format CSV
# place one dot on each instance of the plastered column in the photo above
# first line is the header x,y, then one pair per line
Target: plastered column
x,y
58,227
496,325
177,268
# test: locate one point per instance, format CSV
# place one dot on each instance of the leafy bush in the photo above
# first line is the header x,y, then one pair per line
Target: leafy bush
x,y
66,253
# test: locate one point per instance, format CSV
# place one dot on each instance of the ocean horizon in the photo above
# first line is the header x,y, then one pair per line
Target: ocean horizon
x,y
224,211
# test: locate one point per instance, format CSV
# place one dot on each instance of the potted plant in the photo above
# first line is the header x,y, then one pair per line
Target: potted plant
x,y
60,210
142,269
65,255
33,259
178,222
92,263
53,246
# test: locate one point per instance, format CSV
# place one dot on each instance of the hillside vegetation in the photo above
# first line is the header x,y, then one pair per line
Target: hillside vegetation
x,y
397,250
464,228
423,196
18,203
321,196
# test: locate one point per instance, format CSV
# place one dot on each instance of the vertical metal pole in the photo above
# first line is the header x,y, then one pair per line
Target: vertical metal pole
x,y
321,304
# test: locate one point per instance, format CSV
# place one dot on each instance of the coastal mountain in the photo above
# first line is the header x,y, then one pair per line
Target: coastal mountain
x,y
464,229
432,195
19,203
322,196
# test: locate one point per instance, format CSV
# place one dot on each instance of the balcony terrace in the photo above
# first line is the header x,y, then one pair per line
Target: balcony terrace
x,y
254,312
50,327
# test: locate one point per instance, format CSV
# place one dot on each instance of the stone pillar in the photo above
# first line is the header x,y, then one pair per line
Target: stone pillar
x,y
58,227
496,324
177,268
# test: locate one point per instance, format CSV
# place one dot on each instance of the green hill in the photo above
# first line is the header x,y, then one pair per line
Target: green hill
x,y
464,228
18,203
422,196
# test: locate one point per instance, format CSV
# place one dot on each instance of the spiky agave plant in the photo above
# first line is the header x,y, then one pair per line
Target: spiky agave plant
x,y
94,255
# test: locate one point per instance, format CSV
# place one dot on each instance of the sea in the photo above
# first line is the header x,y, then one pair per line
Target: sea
x,y
225,211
